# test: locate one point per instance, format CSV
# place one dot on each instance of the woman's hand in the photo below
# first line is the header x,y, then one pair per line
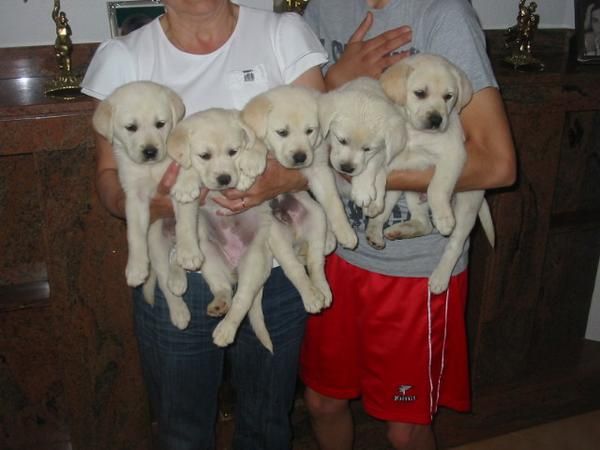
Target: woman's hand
x,y
275,180
368,58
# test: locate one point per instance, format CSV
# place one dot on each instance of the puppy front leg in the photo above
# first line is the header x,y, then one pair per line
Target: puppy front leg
x,y
187,186
253,271
137,214
443,182
466,207
364,189
374,230
187,249
321,181
376,207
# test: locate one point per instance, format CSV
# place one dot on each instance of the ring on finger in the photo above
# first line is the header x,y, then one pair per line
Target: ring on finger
x,y
243,203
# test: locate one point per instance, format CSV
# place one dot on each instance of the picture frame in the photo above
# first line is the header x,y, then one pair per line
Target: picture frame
x,y
126,16
587,31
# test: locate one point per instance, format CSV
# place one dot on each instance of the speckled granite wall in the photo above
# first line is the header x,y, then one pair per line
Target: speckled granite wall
x,y
69,373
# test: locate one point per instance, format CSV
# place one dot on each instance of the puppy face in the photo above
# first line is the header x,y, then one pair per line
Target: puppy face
x,y
218,146
360,123
137,118
429,87
286,119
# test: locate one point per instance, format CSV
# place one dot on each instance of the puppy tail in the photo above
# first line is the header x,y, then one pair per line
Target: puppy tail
x,y
257,320
149,287
485,217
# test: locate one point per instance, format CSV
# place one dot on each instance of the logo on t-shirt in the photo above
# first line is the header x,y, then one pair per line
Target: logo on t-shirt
x,y
403,395
248,75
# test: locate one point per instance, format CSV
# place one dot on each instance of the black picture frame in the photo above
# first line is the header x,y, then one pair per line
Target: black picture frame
x,y
126,16
587,30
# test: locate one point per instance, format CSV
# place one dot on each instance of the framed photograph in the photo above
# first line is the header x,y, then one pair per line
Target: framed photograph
x,y
126,16
587,29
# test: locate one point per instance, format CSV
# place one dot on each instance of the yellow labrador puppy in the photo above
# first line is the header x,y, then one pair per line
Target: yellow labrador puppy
x,y
286,119
431,92
137,119
218,151
366,133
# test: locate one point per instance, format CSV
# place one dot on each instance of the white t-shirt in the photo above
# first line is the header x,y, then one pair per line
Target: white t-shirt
x,y
265,50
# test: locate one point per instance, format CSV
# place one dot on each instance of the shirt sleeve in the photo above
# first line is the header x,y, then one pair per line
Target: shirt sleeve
x,y
456,34
111,67
297,47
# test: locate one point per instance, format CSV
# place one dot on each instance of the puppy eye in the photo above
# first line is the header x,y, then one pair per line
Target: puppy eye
x,y
342,141
132,128
205,156
232,152
309,131
420,94
283,133
366,149
448,97
159,124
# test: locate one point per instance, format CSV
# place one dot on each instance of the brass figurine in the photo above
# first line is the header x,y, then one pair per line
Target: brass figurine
x,y
290,5
519,38
65,85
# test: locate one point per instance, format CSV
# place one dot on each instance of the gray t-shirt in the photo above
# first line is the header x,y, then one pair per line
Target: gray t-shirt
x,y
446,27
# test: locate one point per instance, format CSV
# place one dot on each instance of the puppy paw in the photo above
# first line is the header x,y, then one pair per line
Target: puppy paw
x,y
438,281
177,282
224,333
245,182
136,273
363,197
376,241
185,192
374,209
180,314
327,295
218,307
346,237
314,301
444,223
407,230
189,258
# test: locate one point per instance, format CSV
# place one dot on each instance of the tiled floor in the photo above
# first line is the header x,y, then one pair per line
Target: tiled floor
x,y
574,433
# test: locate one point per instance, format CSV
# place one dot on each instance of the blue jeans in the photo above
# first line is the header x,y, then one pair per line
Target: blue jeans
x,y
183,369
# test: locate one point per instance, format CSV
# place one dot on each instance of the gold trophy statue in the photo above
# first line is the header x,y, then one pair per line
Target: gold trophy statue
x,y
519,39
65,85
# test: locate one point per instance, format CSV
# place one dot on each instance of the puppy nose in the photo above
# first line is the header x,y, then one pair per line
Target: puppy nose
x,y
150,153
224,179
435,120
348,168
299,157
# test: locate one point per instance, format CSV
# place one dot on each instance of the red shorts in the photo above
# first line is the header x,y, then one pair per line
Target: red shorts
x,y
385,340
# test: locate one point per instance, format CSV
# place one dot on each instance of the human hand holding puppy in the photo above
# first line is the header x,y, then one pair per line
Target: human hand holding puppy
x,y
275,180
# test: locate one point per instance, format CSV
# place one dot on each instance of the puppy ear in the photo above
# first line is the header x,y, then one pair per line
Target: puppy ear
x,y
102,120
394,80
249,135
178,146
255,114
465,88
177,106
395,137
327,112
